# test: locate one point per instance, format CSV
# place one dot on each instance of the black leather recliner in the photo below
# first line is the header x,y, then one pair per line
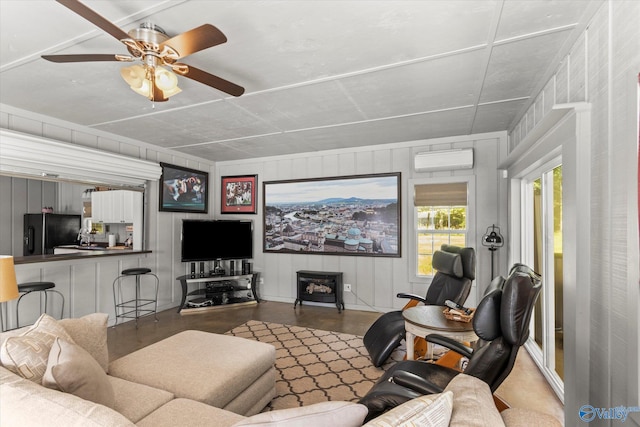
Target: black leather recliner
x,y
455,270
501,322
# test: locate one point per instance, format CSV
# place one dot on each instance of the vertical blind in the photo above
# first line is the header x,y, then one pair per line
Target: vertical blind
x,y
449,194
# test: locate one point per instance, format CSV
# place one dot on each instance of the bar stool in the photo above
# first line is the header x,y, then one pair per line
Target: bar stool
x,y
46,287
134,308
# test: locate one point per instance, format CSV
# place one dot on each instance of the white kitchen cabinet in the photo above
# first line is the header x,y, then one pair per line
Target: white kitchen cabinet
x,y
116,206
131,206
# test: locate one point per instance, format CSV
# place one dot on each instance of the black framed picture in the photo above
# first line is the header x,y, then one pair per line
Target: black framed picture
x,y
344,215
183,189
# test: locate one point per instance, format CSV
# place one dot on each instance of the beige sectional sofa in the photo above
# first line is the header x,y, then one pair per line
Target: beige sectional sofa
x,y
144,388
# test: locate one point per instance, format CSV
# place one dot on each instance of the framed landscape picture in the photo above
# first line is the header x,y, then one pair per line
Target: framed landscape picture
x,y
239,194
183,189
349,215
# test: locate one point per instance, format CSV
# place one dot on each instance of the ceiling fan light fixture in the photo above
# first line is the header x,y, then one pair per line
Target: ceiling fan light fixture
x,y
143,89
165,79
171,92
135,75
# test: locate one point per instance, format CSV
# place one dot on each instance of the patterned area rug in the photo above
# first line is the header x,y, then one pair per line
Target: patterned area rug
x,y
314,365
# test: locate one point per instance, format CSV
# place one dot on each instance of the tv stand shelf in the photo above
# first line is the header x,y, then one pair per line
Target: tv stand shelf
x,y
215,292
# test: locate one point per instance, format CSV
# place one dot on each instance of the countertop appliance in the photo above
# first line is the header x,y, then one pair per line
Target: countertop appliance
x,y
44,231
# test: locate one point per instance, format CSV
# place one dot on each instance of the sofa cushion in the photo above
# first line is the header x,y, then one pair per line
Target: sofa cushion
x,y
255,397
473,404
90,333
189,413
136,401
71,369
337,413
517,417
27,354
25,403
433,410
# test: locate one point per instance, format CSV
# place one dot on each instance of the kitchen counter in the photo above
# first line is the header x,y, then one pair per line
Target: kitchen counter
x,y
80,254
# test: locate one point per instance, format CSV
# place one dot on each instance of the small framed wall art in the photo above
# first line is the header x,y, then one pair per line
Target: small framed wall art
x,y
239,194
183,189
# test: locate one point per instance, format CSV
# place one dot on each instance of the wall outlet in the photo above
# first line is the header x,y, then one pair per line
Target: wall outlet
x,y
347,287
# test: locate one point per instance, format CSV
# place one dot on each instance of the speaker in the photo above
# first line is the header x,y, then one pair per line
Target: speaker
x,y
246,267
193,269
202,269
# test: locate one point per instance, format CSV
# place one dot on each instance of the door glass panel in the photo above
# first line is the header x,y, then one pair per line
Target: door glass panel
x,y
557,257
537,257
543,237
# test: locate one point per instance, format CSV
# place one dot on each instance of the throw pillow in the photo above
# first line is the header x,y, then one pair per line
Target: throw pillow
x,y
344,414
432,410
27,354
72,369
90,333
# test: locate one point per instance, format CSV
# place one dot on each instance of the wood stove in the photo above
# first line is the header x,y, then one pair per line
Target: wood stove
x,y
319,286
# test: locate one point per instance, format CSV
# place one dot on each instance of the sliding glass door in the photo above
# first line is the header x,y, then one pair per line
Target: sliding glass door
x,y
542,248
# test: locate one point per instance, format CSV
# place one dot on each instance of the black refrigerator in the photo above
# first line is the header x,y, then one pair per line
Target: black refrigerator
x,y
44,231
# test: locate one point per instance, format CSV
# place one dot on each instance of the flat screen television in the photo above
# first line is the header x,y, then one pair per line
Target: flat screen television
x,y
209,240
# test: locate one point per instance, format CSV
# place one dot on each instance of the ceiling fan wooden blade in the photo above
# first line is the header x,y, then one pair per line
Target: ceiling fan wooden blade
x,y
195,40
209,79
86,58
94,18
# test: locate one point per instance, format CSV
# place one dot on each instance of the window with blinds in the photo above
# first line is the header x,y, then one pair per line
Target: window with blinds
x,y
441,218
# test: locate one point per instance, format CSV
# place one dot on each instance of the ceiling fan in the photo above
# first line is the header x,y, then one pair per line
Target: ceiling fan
x,y
151,46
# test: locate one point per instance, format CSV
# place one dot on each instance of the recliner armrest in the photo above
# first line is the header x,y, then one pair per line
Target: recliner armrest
x,y
412,296
414,382
450,343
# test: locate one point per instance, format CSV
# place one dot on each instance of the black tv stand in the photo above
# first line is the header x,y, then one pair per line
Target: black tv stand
x,y
212,273
218,291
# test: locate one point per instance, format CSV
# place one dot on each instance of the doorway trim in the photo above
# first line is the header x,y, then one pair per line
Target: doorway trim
x,y
565,132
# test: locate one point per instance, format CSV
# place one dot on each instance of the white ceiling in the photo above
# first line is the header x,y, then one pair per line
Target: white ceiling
x,y
318,74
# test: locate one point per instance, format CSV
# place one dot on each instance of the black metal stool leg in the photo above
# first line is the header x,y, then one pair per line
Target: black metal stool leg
x,y
117,296
137,299
18,308
155,308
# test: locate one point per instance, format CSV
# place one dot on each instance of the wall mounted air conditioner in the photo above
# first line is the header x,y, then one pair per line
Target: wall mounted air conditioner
x,y
430,161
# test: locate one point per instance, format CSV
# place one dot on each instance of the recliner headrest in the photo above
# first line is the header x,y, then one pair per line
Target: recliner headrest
x,y
486,319
525,269
468,257
448,263
520,293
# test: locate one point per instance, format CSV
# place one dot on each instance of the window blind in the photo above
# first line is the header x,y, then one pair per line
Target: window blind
x,y
448,194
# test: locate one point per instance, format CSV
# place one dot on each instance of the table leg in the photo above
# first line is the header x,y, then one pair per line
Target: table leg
x,y
409,341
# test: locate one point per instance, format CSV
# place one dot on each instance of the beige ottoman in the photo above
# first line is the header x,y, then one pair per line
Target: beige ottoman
x,y
227,372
